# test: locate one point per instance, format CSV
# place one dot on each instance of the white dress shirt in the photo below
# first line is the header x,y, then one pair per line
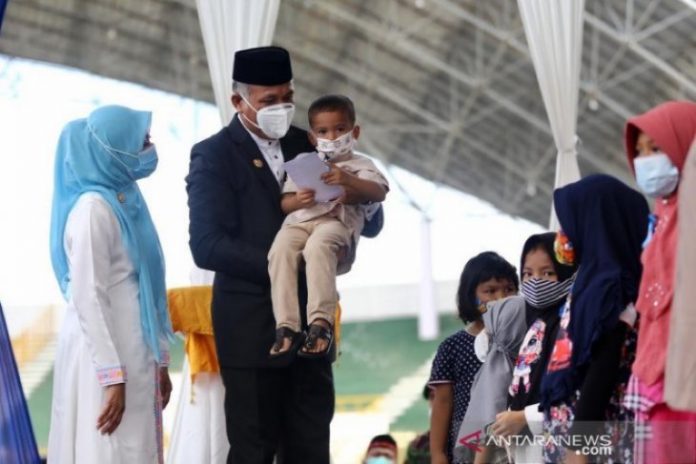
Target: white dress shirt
x,y
272,153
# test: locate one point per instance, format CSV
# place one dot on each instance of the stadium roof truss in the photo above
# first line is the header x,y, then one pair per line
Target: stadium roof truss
x,y
443,88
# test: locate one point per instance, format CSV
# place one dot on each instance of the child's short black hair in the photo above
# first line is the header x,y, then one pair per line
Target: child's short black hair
x,y
482,267
384,438
332,103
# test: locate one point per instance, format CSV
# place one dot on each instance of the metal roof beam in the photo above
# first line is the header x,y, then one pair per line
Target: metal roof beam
x,y
690,3
647,55
426,56
662,25
481,189
514,43
399,100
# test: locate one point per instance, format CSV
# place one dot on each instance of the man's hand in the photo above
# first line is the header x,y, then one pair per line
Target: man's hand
x,y
165,386
509,423
338,176
114,406
306,198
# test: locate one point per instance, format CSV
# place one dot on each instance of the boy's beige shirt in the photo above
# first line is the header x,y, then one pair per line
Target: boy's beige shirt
x,y
352,216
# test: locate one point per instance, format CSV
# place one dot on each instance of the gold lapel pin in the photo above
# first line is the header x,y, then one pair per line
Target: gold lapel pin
x,y
121,197
258,163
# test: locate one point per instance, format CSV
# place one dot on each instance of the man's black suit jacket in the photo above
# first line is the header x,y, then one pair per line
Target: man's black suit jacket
x,y
234,211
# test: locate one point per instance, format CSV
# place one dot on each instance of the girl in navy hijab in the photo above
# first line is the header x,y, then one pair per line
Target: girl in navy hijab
x,y
604,223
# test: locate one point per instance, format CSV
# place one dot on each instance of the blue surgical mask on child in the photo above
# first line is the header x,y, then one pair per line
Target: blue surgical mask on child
x,y
379,460
656,175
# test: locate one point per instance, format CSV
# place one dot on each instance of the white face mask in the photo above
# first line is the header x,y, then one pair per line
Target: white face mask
x,y
340,146
274,120
656,176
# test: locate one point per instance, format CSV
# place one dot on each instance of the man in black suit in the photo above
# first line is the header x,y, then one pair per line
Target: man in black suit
x,y
283,406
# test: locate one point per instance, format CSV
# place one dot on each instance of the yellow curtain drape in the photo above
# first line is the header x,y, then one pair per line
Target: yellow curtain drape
x,y
189,309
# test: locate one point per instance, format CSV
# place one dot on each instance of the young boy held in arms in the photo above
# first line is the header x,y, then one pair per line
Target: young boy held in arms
x,y
322,234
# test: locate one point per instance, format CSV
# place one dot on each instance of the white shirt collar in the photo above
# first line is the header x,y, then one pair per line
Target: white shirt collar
x,y
260,141
272,152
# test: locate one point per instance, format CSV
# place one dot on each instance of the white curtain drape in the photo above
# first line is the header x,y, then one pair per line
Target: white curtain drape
x,y
228,26
554,36
199,431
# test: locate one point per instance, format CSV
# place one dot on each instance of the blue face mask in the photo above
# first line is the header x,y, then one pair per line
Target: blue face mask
x,y
656,176
147,163
379,460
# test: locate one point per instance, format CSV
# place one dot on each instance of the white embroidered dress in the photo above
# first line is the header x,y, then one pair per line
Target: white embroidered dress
x,y
100,344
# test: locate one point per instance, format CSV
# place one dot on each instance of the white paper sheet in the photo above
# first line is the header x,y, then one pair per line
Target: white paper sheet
x,y
306,170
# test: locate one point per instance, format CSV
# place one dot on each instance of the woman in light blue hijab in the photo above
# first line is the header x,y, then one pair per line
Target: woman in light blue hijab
x,y
109,264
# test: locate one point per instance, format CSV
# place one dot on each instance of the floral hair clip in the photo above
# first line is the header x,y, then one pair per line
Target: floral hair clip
x,y
563,248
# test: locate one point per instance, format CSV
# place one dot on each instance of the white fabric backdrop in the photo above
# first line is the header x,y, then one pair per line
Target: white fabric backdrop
x,y
554,36
228,26
199,433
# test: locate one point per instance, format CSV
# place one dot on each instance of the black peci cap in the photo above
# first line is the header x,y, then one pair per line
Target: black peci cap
x,y
262,66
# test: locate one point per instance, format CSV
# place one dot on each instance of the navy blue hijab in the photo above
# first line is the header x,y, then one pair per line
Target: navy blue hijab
x,y
606,221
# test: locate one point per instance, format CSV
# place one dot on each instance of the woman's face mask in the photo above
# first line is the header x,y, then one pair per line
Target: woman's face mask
x,y
138,166
148,160
656,175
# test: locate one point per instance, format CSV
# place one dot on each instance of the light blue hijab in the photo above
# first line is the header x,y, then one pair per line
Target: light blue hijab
x,y
100,154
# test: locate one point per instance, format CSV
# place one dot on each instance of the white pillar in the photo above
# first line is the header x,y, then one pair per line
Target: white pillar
x,y
428,323
554,35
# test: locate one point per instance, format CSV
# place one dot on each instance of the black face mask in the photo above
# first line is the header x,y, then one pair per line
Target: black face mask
x,y
540,293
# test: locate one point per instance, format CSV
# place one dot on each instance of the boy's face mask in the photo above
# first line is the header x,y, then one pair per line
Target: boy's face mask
x,y
337,147
563,248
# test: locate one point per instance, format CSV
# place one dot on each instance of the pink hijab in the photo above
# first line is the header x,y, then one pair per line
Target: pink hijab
x,y
672,126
